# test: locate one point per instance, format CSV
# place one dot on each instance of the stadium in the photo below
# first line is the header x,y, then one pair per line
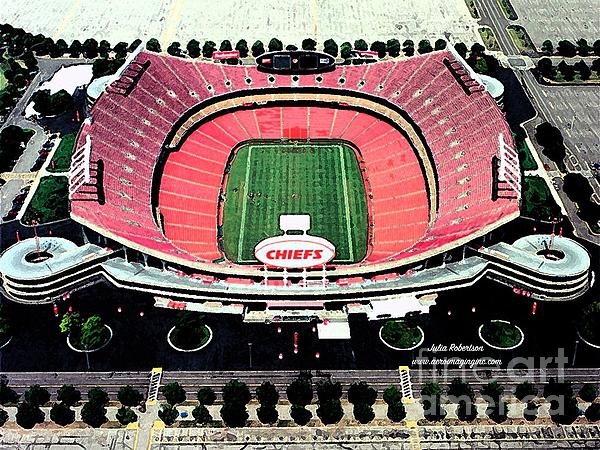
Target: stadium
x,y
403,167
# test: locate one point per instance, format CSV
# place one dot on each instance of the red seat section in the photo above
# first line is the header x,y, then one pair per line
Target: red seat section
x,y
131,120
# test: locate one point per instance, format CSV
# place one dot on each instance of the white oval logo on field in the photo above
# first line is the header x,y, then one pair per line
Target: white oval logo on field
x,y
294,251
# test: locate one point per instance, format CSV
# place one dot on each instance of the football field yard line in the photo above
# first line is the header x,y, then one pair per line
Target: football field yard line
x,y
346,205
244,204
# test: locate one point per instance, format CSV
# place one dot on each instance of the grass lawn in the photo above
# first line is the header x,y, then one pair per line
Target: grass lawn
x,y
270,179
3,81
537,201
507,9
525,157
62,156
472,9
520,38
487,35
50,201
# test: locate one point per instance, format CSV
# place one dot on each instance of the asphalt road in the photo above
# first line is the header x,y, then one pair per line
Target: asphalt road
x,y
567,107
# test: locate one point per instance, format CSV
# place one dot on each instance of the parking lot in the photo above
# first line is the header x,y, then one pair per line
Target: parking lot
x,y
557,19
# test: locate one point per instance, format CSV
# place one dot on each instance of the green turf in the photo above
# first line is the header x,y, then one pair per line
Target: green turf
x,y
62,156
270,179
537,201
50,201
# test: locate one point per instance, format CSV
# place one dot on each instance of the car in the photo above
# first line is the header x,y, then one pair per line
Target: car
x,y
44,153
25,190
47,145
38,165
19,198
10,215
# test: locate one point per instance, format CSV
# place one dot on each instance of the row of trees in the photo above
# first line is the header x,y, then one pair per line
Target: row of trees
x,y
567,71
13,140
18,63
93,411
568,49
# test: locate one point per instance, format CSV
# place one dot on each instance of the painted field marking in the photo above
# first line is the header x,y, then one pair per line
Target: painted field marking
x,y
346,205
244,205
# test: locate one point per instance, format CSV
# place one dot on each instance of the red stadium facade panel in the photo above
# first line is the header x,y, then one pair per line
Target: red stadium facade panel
x,y
415,212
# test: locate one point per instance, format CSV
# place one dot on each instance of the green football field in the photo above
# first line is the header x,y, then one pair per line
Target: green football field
x,y
270,179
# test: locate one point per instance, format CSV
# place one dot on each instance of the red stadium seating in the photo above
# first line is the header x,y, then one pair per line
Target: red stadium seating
x,y
459,123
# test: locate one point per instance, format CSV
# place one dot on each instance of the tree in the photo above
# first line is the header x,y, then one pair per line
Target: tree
x,y
566,70
408,47
563,409
208,49
75,49
309,44
206,396
330,47
234,415
461,49
361,44
51,104
393,47
466,410
584,71
121,50
566,48
68,395
547,47
7,395
346,50
153,45
70,322
300,414
392,395
363,412
129,396
37,395
90,48
267,414
460,390
380,48
300,392
135,44
258,49
531,411
431,398
174,49
596,47
193,48
104,48
13,136
525,391
579,190
291,47
545,68
275,45
29,415
168,413
61,414
3,417
201,414
425,46
97,396
242,47
592,413
330,411
267,394
126,415
493,390
173,392
225,46
549,137
396,412
440,44
328,391
477,50
93,333
583,47
236,393
361,392
588,392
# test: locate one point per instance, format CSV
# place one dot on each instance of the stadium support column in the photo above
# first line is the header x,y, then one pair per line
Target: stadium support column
x,y
285,277
324,276
304,277
266,280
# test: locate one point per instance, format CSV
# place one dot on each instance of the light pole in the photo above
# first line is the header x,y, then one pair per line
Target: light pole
x,y
575,352
250,354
